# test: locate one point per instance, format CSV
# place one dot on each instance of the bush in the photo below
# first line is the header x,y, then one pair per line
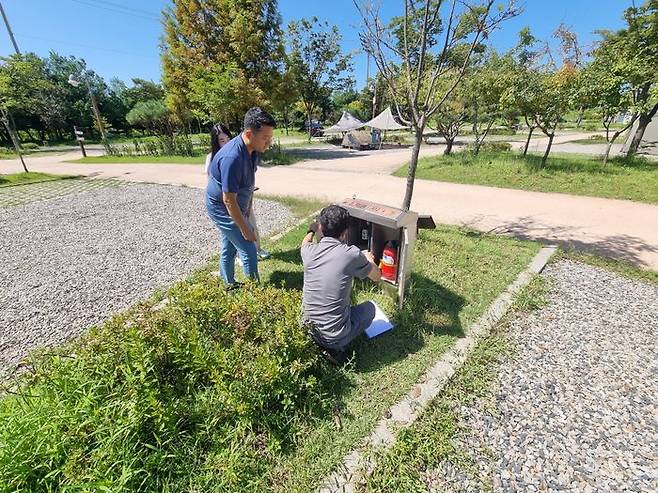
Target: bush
x,y
161,145
29,146
191,397
493,146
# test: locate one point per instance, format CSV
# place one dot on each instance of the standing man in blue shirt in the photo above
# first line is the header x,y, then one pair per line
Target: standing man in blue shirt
x,y
230,189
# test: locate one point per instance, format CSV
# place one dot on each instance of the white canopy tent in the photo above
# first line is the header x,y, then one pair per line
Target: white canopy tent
x,y
385,121
346,123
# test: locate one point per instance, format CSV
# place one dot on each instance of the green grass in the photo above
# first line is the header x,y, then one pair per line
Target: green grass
x,y
277,155
140,159
27,178
632,179
457,274
300,208
218,392
430,440
594,139
31,153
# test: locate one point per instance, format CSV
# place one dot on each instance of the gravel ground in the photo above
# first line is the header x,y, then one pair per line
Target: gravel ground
x,y
577,408
71,262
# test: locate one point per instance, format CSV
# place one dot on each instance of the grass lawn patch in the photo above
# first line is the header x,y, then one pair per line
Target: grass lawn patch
x,y
27,178
632,179
222,391
594,139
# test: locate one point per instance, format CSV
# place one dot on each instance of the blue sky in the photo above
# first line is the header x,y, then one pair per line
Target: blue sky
x,y
127,46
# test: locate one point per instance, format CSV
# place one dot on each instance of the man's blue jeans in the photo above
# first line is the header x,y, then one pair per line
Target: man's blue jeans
x,y
232,243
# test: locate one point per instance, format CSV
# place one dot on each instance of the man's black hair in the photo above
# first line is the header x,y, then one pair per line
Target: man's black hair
x,y
256,118
334,220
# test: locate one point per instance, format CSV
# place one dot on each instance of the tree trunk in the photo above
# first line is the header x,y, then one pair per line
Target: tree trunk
x,y
581,114
14,138
285,118
644,121
548,148
449,143
411,175
527,142
607,152
308,119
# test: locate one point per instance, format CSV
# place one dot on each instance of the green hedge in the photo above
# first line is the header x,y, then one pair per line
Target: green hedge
x,y
191,397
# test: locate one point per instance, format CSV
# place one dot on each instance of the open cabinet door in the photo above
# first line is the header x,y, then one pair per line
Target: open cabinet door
x,y
403,265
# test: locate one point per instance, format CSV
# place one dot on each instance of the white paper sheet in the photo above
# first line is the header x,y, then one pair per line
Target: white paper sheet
x,y
380,323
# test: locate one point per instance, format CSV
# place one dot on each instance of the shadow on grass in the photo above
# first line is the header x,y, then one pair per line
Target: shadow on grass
x,y
429,309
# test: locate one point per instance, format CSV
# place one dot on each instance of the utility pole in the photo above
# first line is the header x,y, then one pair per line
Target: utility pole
x,y
5,112
11,33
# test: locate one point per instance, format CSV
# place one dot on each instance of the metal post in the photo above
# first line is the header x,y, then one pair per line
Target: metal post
x,y
5,112
97,112
11,34
80,138
13,137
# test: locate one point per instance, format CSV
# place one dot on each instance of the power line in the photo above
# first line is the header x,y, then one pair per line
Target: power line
x,y
125,7
119,11
80,45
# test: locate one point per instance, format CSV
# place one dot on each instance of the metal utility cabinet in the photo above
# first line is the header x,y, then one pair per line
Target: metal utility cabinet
x,y
372,225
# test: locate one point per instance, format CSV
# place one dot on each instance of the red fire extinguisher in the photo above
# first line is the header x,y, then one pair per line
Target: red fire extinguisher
x,y
389,262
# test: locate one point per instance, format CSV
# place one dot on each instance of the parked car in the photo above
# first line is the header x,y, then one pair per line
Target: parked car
x,y
317,130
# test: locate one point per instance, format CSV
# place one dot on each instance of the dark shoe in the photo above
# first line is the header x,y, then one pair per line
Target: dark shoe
x,y
234,286
335,356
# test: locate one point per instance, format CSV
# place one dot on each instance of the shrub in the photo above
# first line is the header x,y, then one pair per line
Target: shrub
x,y
29,146
191,397
493,146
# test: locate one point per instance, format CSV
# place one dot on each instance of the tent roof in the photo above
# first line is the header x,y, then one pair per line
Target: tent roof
x,y
346,123
385,121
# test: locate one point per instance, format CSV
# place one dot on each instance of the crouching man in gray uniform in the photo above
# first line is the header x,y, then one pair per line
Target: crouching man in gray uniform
x,y
329,268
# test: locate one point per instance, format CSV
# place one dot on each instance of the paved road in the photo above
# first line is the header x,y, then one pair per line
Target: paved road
x,y
616,228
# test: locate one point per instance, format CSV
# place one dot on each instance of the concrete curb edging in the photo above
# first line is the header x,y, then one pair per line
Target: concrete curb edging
x,y
359,462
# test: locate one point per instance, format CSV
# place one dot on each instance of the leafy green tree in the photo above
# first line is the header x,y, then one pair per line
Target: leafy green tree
x,y
23,83
215,41
285,95
452,116
632,55
415,53
71,105
143,90
484,88
608,92
521,93
152,115
316,62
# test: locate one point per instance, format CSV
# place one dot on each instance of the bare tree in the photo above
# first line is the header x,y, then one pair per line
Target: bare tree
x,y
416,51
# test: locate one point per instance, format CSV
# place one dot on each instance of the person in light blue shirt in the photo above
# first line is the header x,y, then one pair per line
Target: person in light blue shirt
x,y
229,194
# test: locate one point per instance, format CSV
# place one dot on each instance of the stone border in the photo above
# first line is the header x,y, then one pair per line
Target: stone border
x,y
359,463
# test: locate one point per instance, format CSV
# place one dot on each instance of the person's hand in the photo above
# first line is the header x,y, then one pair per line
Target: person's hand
x,y
249,235
369,256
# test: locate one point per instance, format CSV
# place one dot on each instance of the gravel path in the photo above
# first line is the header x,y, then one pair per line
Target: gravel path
x,y
577,408
71,262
